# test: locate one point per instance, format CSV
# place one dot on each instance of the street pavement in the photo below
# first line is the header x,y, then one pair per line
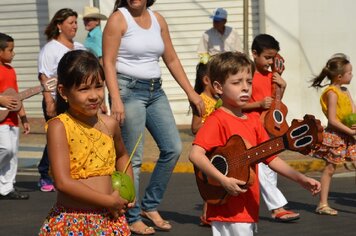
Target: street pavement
x,y
182,207
182,203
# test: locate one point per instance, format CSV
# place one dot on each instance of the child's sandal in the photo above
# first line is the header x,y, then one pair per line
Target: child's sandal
x,y
326,210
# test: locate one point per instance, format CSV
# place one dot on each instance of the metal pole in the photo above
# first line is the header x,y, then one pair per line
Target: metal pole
x,y
245,37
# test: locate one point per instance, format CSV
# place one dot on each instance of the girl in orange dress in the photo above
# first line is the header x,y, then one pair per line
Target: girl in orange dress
x,y
85,147
339,145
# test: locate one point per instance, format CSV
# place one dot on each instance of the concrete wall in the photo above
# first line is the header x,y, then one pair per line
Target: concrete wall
x,y
309,32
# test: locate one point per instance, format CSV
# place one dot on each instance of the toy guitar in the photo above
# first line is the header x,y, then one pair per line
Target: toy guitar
x,y
49,85
274,119
234,160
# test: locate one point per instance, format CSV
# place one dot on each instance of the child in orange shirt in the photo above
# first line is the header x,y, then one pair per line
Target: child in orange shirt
x,y
231,75
9,130
264,49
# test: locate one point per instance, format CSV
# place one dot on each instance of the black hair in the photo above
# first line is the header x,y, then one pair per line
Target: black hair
x,y
224,64
52,31
334,66
77,67
264,41
4,40
123,3
201,71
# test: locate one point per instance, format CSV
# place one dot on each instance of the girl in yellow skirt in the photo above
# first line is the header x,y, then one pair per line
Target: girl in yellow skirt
x,y
339,145
85,147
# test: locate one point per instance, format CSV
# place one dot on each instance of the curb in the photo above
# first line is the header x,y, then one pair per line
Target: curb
x,y
301,166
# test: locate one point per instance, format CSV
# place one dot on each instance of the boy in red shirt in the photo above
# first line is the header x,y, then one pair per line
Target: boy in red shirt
x,y
231,75
264,49
9,130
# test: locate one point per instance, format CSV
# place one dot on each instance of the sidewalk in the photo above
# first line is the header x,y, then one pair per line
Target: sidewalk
x,y
31,147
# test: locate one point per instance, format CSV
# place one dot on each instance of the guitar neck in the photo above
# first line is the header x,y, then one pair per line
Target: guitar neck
x,y
276,92
30,92
265,150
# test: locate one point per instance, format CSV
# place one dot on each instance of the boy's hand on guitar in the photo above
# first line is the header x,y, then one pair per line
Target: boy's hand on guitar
x,y
311,185
232,186
266,103
8,102
276,78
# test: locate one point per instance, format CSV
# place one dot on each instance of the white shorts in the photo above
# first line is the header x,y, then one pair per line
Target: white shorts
x,y
232,229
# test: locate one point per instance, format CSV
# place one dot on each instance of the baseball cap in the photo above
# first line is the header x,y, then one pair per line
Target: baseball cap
x,y
219,14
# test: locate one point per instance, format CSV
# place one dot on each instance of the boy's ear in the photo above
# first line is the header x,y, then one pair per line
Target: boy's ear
x,y
217,87
254,54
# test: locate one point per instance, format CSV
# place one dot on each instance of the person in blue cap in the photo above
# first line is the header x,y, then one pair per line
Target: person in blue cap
x,y
219,38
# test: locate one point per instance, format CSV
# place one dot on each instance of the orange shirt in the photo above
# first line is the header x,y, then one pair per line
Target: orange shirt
x,y
8,80
216,130
261,88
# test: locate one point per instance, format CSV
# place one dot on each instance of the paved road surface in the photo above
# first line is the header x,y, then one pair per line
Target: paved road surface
x,y
182,206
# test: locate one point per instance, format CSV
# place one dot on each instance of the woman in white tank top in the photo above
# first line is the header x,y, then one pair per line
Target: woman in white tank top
x,y
134,40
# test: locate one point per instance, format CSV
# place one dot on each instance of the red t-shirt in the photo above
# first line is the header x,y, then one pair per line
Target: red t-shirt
x,y
8,80
261,88
216,130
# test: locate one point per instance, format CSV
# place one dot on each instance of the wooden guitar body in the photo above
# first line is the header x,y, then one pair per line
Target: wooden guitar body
x,y
275,119
49,85
212,190
236,160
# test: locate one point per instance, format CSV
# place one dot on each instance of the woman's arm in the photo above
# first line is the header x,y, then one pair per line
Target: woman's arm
x,y
173,64
47,96
196,123
114,29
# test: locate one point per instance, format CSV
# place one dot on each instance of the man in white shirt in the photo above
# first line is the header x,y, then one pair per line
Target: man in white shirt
x,y
220,38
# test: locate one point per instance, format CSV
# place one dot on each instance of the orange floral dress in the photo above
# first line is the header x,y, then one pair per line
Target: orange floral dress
x,y
337,147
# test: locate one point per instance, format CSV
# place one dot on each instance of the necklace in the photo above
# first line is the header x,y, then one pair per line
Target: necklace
x,y
90,133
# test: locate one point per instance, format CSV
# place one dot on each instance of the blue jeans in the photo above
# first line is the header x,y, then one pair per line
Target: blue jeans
x,y
43,165
146,105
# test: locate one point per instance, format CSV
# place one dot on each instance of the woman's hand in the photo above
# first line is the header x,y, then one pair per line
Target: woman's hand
x,y
118,111
197,104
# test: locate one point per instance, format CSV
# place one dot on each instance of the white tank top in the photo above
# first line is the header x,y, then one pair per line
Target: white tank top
x,y
140,49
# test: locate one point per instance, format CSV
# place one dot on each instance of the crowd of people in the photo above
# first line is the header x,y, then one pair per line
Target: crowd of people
x,y
85,145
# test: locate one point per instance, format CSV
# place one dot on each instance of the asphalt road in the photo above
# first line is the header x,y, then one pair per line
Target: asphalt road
x,y
182,207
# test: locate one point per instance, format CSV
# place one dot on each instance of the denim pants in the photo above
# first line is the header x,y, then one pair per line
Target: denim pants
x,y
146,105
43,165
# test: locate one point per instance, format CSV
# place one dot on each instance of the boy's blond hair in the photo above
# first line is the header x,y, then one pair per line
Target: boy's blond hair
x,y
224,64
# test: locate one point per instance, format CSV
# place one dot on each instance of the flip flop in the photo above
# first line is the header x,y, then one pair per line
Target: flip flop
x,y
147,230
278,217
161,225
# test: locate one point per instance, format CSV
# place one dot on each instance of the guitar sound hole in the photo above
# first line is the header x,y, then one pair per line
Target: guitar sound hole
x,y
220,163
278,116
299,131
304,141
